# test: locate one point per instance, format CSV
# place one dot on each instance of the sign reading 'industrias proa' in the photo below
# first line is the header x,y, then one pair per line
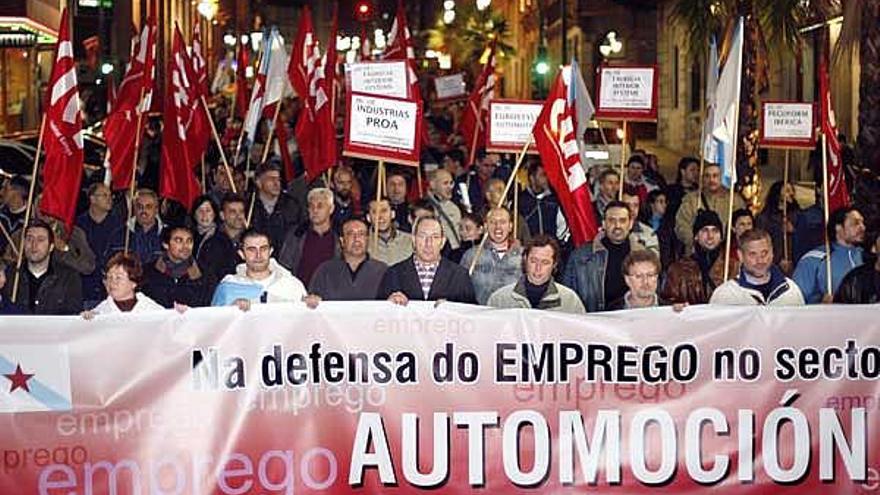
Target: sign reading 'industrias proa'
x,y
383,129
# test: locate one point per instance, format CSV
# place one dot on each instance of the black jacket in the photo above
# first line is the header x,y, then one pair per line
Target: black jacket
x,y
219,256
192,289
860,286
288,213
451,282
59,294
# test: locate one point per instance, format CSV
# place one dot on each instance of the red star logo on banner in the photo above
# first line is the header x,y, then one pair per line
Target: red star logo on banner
x,y
19,379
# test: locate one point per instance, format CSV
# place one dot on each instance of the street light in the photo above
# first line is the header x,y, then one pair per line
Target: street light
x,y
106,68
207,8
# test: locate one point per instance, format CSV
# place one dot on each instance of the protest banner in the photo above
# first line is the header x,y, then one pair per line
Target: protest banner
x,y
627,93
385,129
386,78
788,124
367,397
450,87
510,125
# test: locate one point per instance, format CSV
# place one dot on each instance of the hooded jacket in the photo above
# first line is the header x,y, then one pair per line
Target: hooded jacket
x,y
740,292
281,286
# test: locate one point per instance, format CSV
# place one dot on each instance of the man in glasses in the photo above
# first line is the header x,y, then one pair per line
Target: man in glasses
x,y
427,276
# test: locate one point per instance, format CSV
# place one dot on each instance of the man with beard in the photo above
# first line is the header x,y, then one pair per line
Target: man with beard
x,y
175,278
46,287
693,279
714,197
396,187
345,206
846,232
760,282
392,245
595,270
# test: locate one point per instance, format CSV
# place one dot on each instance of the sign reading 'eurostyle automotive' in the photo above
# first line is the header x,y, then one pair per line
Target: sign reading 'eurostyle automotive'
x,y
511,123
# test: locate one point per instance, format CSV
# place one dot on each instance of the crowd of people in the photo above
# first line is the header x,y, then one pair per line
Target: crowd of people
x,y
454,237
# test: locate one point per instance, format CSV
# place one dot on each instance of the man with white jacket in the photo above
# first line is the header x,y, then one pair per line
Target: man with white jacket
x,y
760,282
260,279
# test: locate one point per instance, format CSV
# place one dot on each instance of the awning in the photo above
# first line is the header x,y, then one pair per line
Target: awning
x,y
25,32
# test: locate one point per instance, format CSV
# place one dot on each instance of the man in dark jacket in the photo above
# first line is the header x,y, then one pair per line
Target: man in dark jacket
x,y
219,255
354,276
175,278
862,284
45,286
537,204
427,276
595,270
306,247
274,211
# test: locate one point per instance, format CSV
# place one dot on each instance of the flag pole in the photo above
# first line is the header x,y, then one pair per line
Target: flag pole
x,y
622,160
271,129
134,161
510,180
204,177
251,208
219,146
380,168
828,284
785,206
733,165
515,212
27,212
9,240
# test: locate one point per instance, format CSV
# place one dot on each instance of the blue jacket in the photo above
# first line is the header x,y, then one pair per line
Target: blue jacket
x,y
810,272
585,273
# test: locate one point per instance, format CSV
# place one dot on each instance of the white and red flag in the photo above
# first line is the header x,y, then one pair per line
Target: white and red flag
x,y
177,178
474,119
62,134
399,47
567,108
838,194
134,98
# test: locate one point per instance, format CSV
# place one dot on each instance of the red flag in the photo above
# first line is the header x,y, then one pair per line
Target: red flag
x,y
62,134
242,92
838,195
305,56
120,128
197,72
177,179
474,120
399,47
199,66
315,129
555,136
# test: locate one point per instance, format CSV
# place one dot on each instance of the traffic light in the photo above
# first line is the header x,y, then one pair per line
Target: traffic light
x,y
363,10
540,68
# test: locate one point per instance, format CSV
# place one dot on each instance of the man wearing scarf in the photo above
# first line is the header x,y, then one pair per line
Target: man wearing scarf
x,y
175,277
693,279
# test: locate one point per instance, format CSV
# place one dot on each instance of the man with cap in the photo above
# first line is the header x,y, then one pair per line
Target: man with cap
x,y
693,279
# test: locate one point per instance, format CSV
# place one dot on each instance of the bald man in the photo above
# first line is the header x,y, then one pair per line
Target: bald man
x,y
440,196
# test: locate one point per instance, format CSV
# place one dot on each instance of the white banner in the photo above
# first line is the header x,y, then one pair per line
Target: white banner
x,y
788,121
448,87
379,78
382,122
511,123
628,88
